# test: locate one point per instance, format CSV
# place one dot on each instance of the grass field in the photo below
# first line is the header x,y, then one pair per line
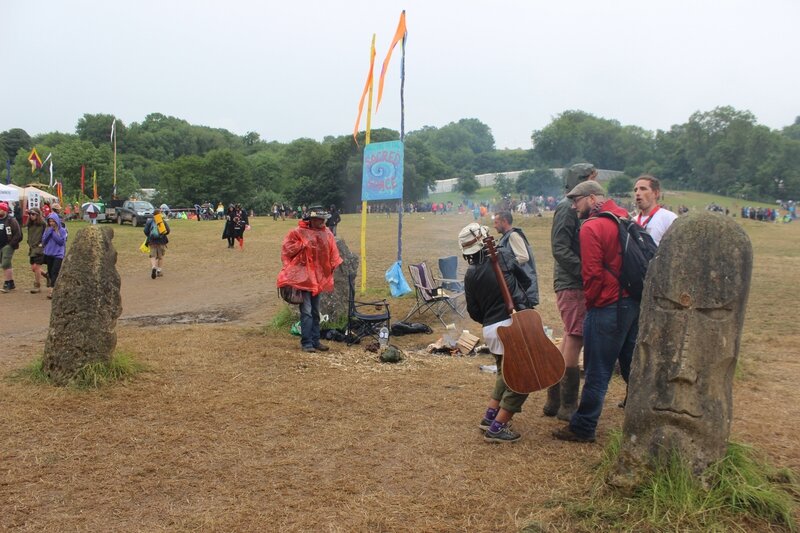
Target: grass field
x,y
232,428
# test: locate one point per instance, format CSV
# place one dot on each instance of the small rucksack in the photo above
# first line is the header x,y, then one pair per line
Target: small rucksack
x,y
154,233
637,249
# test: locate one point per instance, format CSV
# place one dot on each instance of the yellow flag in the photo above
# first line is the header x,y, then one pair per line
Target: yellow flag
x,y
367,87
94,185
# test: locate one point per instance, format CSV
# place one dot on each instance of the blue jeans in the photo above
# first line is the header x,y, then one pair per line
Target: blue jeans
x,y
309,320
608,335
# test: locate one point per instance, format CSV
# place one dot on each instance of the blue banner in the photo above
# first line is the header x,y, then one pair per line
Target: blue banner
x,y
382,177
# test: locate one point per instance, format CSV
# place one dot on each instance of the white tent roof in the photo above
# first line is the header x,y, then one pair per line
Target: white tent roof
x,y
45,195
8,192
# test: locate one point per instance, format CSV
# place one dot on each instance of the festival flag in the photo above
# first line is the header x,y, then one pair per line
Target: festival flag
x,y
398,35
60,193
94,185
367,87
51,173
34,160
46,159
83,180
113,124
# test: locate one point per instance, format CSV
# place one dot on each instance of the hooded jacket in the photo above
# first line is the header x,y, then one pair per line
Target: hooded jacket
x,y
35,234
309,257
485,303
54,240
601,257
11,232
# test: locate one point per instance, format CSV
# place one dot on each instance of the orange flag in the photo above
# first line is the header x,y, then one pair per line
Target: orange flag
x,y
366,88
398,35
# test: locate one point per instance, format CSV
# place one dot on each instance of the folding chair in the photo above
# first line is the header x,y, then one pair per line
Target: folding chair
x,y
453,282
431,296
365,319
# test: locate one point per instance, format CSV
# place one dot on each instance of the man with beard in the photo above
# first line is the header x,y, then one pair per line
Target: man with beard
x,y
612,317
652,217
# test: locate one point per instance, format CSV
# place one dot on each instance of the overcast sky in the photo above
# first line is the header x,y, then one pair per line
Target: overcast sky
x,y
293,69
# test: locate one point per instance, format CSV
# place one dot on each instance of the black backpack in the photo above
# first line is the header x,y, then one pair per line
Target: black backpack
x,y
638,248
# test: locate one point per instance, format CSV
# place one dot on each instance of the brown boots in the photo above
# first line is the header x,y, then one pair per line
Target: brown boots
x,y
570,384
562,398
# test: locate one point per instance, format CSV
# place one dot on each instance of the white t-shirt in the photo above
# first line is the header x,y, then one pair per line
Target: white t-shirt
x,y
656,224
491,339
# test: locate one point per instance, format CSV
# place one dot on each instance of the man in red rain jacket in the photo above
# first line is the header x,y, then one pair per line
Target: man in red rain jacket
x,y
309,255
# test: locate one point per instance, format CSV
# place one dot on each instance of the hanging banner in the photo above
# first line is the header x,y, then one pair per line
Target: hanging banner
x,y
382,177
34,200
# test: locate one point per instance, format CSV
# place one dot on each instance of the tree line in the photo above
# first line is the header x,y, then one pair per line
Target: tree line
x,y
724,151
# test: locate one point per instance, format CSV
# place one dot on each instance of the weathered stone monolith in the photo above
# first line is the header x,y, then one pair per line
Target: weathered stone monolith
x,y
335,303
85,308
693,307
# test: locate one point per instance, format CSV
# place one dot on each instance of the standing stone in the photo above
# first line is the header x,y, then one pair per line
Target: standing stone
x,y
692,312
335,303
85,308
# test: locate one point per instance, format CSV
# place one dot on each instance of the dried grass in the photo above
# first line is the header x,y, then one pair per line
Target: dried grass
x,y
234,429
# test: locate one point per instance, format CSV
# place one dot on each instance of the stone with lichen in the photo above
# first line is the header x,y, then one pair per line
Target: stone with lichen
x,y
680,390
86,305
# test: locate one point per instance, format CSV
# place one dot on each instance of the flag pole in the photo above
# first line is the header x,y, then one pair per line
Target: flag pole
x,y
114,140
402,137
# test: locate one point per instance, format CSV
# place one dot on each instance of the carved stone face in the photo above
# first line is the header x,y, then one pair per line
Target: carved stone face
x,y
680,393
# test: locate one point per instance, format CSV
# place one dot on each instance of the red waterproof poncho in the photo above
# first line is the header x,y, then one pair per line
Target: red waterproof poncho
x,y
309,256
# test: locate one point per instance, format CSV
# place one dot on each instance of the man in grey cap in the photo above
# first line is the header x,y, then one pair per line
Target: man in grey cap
x,y
612,316
562,398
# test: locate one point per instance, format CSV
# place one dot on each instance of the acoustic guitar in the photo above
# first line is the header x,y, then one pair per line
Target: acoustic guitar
x,y
531,361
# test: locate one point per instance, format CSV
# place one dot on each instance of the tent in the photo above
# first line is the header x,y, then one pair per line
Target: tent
x,y
9,193
28,191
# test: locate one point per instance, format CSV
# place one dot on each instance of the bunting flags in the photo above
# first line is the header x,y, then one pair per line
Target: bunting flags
x,y
398,35
367,87
94,185
34,160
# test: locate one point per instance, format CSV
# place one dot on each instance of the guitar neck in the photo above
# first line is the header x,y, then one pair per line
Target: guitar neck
x,y
498,273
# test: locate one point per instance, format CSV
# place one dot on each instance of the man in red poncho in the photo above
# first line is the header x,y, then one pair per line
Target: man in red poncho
x,y
309,255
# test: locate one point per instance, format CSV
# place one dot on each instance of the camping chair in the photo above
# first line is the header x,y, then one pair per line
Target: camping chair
x,y
453,282
431,296
365,319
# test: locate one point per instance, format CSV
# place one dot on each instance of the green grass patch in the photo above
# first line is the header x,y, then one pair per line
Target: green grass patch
x,y
91,376
283,320
741,492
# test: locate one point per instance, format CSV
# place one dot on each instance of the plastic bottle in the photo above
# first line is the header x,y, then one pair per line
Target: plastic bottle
x,y
383,337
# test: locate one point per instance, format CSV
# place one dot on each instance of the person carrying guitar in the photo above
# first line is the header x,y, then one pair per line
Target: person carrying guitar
x,y
486,306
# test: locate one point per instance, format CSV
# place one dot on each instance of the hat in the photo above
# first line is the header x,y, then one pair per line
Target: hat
x,y
577,173
585,189
4,207
471,238
34,211
317,211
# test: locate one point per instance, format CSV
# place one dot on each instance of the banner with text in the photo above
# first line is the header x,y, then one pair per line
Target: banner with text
x,y
382,178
